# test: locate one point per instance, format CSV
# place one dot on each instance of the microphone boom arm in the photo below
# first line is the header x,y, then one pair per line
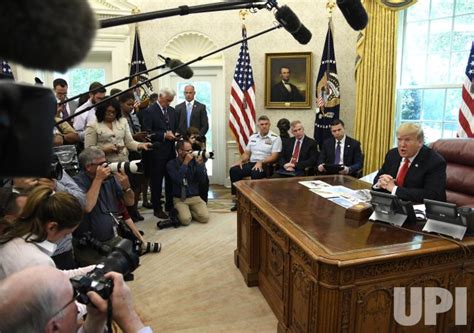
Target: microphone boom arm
x,y
181,11
170,71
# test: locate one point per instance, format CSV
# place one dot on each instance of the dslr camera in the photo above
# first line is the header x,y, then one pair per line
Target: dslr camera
x,y
204,154
121,258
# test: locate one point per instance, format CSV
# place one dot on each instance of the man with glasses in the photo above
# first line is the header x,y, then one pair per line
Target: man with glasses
x,y
187,173
161,121
60,88
103,194
47,305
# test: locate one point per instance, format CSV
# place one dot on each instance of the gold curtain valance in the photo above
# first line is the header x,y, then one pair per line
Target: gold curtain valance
x,y
396,4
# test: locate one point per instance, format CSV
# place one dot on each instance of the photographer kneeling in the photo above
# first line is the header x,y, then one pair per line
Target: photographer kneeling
x,y
48,304
103,195
187,173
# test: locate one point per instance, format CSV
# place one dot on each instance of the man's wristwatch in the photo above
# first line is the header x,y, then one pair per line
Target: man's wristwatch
x,y
128,189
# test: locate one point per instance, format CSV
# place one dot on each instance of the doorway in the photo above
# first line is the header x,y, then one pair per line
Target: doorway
x,y
209,87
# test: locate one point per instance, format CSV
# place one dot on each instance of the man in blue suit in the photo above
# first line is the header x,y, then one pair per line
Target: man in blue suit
x,y
341,150
161,122
412,171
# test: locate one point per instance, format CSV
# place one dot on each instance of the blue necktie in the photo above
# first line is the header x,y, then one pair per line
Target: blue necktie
x,y
189,109
337,158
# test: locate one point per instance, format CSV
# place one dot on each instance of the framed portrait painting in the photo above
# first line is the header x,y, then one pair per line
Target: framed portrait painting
x,y
288,80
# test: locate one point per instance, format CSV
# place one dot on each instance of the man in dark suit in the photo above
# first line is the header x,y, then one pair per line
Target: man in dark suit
x,y
284,91
412,171
341,150
60,88
298,152
191,113
160,120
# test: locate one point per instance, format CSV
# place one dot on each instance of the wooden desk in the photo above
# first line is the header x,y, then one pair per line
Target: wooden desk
x,y
321,272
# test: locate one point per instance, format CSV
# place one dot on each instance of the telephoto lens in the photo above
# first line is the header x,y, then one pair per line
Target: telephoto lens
x,y
203,153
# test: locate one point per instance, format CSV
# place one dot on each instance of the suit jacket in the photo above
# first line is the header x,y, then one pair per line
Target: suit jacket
x,y
155,123
72,107
352,154
425,179
308,153
281,94
198,118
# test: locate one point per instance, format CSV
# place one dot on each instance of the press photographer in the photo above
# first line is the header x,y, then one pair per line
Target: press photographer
x,y
187,174
50,306
198,143
103,198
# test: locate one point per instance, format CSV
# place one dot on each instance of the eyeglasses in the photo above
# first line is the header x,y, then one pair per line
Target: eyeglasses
x,y
187,151
75,294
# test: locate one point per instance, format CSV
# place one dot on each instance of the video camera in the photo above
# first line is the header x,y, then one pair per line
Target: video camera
x,y
122,258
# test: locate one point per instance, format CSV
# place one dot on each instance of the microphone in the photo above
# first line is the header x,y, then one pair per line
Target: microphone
x,y
185,71
50,35
288,19
354,13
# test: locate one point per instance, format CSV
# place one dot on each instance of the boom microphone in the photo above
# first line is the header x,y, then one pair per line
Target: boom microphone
x,y
354,13
288,19
185,71
52,35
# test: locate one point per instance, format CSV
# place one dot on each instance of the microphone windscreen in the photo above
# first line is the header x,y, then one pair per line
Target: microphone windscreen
x,y
288,19
185,72
303,36
51,35
354,12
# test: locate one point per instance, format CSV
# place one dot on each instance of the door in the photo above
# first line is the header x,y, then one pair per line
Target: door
x,y
208,84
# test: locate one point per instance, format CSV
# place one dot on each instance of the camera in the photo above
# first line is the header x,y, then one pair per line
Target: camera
x,y
121,258
136,166
173,221
67,155
203,153
55,169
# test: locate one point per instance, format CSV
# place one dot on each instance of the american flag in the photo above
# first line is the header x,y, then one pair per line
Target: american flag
x,y
6,71
242,98
466,112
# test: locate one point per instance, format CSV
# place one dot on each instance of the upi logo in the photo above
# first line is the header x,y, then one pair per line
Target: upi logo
x,y
436,300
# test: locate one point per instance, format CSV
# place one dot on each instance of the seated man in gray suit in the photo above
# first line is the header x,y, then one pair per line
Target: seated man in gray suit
x,y
191,113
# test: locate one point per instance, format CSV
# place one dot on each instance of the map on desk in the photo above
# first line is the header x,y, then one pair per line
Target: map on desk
x,y
340,195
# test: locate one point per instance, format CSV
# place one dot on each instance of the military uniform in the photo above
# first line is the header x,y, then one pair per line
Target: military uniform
x,y
259,147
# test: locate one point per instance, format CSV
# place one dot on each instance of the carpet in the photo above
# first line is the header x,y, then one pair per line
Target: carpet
x,y
193,284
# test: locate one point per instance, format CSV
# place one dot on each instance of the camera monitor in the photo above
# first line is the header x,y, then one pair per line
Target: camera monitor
x,y
387,208
443,219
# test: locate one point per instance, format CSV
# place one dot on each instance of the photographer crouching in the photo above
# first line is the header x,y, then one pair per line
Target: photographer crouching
x,y
104,192
187,173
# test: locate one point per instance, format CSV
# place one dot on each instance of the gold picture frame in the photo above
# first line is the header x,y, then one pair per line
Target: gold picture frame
x,y
288,80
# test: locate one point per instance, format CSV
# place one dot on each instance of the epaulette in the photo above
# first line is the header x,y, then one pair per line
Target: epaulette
x,y
272,134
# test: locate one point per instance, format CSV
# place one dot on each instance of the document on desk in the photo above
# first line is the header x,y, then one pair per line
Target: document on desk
x,y
314,184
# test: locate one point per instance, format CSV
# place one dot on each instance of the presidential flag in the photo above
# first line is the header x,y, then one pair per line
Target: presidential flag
x,y
466,112
138,65
327,91
242,98
6,72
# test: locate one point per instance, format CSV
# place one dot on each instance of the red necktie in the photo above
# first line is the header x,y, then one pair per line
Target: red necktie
x,y
296,152
403,172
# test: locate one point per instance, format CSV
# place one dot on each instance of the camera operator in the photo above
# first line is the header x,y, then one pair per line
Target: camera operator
x,y
187,173
198,143
48,305
103,194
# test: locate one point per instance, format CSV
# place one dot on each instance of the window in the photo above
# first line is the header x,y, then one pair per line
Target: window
x,y
435,40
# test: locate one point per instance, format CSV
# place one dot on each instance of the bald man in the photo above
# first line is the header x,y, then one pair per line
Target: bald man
x,y
47,304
